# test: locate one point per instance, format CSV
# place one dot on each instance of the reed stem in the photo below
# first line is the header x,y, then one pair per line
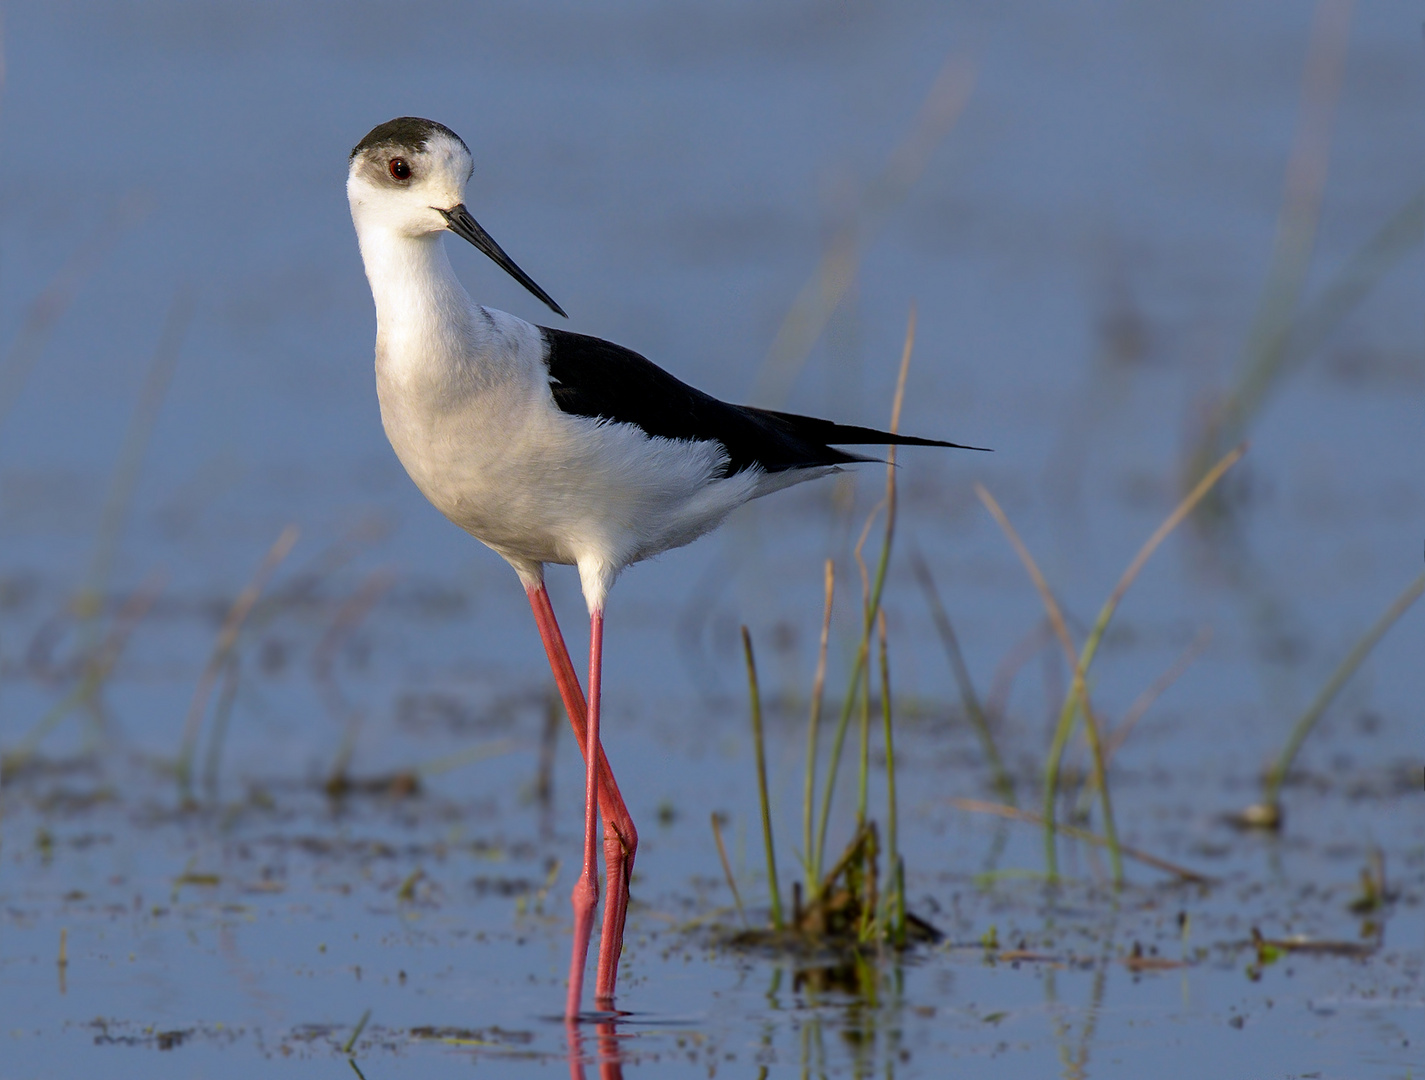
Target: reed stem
x,y
761,753
838,741
893,859
873,605
810,858
863,779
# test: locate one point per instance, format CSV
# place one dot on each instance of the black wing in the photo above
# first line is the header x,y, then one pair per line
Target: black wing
x,y
596,378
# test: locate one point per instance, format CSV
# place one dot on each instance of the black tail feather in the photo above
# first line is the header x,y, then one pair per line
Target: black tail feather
x,y
830,433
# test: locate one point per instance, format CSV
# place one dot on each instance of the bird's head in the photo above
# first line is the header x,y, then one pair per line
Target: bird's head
x,y
408,177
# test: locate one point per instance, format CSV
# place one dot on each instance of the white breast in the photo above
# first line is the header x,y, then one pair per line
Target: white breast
x,y
466,403
473,421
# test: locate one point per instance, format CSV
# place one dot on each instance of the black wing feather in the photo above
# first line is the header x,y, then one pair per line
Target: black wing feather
x,y
598,379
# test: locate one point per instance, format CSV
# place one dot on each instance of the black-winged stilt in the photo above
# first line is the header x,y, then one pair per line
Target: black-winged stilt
x,y
552,447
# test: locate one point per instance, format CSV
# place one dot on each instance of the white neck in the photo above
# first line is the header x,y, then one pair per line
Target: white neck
x,y
431,338
421,307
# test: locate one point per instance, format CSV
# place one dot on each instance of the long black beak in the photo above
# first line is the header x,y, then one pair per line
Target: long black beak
x,y
463,225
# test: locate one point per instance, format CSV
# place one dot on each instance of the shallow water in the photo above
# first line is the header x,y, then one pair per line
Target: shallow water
x,y
1086,249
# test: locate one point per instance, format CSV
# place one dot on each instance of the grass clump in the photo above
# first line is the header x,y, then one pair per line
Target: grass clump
x,y
860,899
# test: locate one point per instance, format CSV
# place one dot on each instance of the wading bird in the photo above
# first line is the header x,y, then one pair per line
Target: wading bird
x,y
551,447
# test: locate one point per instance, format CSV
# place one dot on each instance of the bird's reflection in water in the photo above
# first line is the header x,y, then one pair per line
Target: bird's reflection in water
x,y
862,999
608,1052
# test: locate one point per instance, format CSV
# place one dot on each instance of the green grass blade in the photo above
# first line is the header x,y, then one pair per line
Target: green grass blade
x,y
873,604
1402,603
761,753
818,688
1076,696
893,859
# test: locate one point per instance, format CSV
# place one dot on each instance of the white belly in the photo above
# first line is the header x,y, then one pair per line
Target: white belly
x,y
543,486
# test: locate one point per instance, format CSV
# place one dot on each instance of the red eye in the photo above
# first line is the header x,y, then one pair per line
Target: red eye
x,y
400,168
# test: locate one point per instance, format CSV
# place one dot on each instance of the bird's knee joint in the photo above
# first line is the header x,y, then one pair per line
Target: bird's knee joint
x,y
621,846
585,896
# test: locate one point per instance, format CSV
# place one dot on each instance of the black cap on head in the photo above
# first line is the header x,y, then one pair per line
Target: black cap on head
x,y
411,132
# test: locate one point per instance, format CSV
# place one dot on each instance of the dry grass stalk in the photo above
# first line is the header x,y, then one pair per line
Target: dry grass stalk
x,y
1023,651
1268,341
1046,594
1077,688
129,466
727,866
95,669
819,297
348,617
1144,701
1078,696
1012,813
227,640
46,309
978,718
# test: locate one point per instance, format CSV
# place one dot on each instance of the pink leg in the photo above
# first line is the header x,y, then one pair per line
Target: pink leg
x,y
620,836
586,890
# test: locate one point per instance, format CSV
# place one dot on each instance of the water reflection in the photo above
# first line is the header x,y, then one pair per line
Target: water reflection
x,y
861,999
608,1053
1074,1050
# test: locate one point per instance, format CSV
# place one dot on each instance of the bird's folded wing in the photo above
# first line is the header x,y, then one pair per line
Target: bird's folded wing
x,y
592,377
